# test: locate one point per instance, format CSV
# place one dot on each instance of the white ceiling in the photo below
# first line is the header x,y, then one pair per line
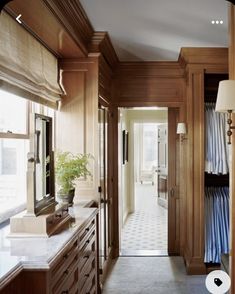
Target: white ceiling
x,y
157,29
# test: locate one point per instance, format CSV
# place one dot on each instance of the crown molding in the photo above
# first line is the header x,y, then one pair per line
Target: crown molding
x,y
101,43
203,55
73,17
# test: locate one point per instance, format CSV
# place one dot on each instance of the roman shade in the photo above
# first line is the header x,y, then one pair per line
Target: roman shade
x,y
26,66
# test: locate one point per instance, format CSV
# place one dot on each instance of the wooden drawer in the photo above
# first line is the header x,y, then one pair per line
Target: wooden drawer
x,y
86,251
62,268
84,233
68,281
87,274
90,286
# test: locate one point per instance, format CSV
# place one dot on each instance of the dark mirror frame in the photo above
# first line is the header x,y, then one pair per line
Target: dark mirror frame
x,y
47,201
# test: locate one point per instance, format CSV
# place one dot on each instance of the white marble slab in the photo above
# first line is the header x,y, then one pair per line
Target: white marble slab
x,y
37,253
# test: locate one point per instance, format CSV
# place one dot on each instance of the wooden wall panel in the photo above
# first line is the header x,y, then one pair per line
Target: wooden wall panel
x,y
151,89
77,119
195,173
105,80
43,24
195,70
148,83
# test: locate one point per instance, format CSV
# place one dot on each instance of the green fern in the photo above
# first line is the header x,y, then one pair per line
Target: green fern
x,y
70,167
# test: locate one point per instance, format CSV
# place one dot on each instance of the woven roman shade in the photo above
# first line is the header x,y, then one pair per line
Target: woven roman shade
x,y
26,66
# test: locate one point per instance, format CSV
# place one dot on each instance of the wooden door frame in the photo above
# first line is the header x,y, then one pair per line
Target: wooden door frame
x,y
180,107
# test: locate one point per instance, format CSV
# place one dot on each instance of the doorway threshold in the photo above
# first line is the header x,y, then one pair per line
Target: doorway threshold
x,y
143,253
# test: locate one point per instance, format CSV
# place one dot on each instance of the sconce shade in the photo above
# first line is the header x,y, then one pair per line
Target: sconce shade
x,y
226,96
181,128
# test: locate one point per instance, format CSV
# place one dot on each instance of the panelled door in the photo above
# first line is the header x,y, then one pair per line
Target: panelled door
x,y
104,224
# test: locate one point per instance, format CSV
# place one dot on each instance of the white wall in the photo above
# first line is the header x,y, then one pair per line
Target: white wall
x,y
126,172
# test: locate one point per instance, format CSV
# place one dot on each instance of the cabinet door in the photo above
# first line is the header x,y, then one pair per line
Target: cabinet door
x,y
104,238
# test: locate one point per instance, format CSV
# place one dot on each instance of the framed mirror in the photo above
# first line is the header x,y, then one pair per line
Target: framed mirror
x,y
41,195
44,165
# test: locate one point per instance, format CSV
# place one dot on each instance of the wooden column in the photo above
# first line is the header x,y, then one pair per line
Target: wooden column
x,y
232,171
195,176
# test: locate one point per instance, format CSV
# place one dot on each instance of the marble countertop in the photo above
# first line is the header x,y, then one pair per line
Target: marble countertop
x,y
37,253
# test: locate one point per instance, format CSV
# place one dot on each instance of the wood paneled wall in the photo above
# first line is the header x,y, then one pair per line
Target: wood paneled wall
x,y
148,84
77,120
197,62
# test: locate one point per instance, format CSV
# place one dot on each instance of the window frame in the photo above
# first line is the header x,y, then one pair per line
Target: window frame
x,y
12,135
32,107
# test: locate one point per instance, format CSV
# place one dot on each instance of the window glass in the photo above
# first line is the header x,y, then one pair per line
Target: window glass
x,y
149,146
13,168
14,146
13,113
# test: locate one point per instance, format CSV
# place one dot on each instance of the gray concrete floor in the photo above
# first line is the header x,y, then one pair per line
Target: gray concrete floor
x,y
152,275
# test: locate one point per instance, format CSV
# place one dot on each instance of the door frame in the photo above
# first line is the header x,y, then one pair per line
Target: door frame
x,y
178,107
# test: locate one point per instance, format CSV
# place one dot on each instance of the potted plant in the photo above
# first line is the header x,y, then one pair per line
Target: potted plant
x,y
68,168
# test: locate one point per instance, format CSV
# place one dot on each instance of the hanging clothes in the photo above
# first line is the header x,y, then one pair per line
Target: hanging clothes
x,y
216,223
216,154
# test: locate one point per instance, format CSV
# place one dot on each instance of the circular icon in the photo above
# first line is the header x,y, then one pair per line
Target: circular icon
x,y
218,282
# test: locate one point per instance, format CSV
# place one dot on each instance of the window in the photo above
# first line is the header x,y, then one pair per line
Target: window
x,y
149,146
14,146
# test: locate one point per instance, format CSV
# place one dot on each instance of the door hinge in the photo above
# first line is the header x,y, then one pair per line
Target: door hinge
x,y
99,189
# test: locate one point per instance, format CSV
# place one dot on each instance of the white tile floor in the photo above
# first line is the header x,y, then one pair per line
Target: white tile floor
x,y
146,229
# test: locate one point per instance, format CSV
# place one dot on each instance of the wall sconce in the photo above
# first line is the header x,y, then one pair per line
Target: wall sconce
x,y
226,102
181,130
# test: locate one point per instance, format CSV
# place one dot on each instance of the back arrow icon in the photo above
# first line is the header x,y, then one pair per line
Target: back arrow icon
x,y
18,18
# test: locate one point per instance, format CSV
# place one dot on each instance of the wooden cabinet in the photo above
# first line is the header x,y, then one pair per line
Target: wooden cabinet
x,y
73,271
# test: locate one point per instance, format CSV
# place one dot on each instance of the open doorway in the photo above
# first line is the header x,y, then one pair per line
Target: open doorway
x,y
143,193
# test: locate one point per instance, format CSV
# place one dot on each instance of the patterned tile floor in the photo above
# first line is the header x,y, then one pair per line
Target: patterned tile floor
x,y
146,228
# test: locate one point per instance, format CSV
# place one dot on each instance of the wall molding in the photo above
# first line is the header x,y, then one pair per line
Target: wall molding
x,y
101,43
73,17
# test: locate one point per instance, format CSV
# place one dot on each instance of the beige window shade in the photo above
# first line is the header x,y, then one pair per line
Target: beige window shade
x,y
26,66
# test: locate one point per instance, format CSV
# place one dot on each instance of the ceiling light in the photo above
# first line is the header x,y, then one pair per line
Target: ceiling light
x,y
213,22
217,22
221,22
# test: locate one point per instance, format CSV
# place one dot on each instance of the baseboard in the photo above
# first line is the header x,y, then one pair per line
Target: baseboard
x,y
194,265
106,269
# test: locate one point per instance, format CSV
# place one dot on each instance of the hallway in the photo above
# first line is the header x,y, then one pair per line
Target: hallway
x,y
152,275
146,228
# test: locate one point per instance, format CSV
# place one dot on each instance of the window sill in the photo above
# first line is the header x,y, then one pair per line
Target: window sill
x,y
4,216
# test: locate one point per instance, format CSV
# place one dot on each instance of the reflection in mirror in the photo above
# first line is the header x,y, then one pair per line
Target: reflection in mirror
x,y
44,169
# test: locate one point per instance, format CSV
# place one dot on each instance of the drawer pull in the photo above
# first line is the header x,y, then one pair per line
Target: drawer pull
x,y
87,241
66,272
87,229
65,210
58,215
87,275
66,256
65,292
